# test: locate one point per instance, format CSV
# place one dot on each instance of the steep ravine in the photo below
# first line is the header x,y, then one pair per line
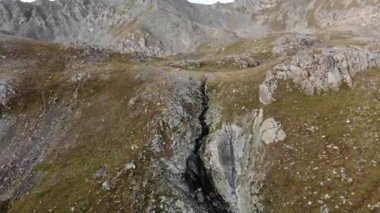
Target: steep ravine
x,y
199,181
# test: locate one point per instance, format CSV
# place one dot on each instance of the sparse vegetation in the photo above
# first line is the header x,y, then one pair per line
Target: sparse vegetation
x,y
330,157
78,129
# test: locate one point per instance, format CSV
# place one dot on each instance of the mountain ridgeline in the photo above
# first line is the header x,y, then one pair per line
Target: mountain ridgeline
x,y
161,27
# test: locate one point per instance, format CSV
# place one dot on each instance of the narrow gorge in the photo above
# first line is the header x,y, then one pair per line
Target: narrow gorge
x,y
196,175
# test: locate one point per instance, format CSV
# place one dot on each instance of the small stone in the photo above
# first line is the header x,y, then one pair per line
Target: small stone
x,y
101,172
106,186
325,209
179,204
132,101
130,166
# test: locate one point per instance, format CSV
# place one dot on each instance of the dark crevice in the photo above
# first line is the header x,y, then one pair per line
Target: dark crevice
x,y
4,205
196,176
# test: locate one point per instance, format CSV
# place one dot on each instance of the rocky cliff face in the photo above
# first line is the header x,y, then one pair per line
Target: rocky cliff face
x,y
231,155
152,27
165,27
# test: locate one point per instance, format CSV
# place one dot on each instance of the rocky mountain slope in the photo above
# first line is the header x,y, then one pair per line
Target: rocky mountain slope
x,y
162,27
259,109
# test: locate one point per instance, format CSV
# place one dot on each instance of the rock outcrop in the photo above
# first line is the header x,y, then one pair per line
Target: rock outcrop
x,y
183,123
230,156
6,93
319,70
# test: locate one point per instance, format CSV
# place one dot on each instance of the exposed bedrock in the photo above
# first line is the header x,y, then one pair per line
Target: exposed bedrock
x,y
319,70
196,176
213,171
161,27
231,154
184,124
7,92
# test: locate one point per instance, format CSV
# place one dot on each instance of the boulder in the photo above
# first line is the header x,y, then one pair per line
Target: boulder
x,y
271,131
267,89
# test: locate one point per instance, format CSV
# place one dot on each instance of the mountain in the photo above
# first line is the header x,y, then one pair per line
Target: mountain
x,y
168,106
144,26
166,26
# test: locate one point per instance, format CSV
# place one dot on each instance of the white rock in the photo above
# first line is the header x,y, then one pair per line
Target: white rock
x,y
106,186
334,79
318,71
130,166
132,101
271,131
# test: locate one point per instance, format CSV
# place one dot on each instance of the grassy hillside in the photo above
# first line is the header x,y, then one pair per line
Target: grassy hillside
x,y
90,111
